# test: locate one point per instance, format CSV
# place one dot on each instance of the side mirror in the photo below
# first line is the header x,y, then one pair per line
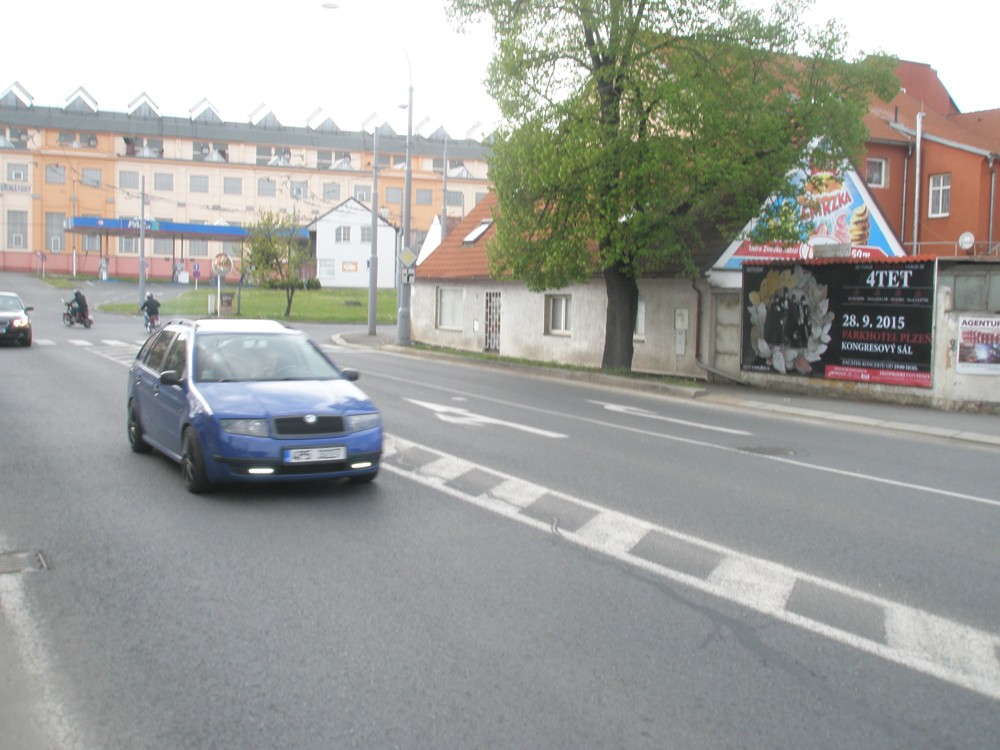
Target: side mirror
x,y
29,308
350,373
170,377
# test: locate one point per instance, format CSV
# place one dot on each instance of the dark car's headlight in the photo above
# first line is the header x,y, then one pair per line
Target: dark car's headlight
x,y
20,322
359,422
252,427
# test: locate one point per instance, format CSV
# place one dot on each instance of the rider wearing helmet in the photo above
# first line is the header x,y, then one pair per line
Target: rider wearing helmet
x,y
151,308
78,306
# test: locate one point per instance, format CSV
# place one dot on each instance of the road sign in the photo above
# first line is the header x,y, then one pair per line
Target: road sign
x,y
222,264
407,257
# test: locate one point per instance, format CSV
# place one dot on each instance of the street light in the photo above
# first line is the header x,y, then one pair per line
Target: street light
x,y
373,255
403,314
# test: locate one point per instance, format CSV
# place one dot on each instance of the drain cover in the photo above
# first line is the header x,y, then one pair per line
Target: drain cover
x,y
21,562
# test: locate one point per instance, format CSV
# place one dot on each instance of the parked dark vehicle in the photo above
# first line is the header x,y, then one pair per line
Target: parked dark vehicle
x,y
249,401
15,323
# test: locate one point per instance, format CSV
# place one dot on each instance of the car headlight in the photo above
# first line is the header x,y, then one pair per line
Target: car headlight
x,y
252,427
20,322
359,422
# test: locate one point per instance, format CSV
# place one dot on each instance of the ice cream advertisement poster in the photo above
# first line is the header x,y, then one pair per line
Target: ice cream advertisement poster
x,y
845,320
842,215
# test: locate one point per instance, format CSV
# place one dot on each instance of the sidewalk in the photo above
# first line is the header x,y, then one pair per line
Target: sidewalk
x,y
981,429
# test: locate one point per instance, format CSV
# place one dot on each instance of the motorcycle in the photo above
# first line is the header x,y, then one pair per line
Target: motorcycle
x,y
71,316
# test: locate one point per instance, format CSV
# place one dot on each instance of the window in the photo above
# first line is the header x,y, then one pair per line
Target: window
x,y
366,235
214,152
91,242
300,189
478,232
639,334
363,193
17,229
163,181
199,183
264,154
149,148
128,245
128,180
91,177
449,308
55,174
331,191
163,245
324,158
17,172
232,185
68,139
940,198
233,249
198,248
394,195
267,187
557,314
176,358
876,173
455,198
54,234
424,197
342,234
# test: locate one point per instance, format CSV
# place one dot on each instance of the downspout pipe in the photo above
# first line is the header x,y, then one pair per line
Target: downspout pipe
x,y
916,184
993,201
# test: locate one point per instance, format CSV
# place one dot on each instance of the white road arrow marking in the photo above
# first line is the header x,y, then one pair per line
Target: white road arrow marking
x,y
636,412
456,415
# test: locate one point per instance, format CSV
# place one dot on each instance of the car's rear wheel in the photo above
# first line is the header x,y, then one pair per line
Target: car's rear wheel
x,y
135,441
193,464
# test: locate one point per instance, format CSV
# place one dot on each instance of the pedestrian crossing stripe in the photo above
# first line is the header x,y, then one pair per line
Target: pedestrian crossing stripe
x,y
81,342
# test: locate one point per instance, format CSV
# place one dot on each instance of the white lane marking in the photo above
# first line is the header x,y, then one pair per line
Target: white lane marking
x,y
714,446
457,415
636,412
81,342
115,342
43,342
948,650
51,716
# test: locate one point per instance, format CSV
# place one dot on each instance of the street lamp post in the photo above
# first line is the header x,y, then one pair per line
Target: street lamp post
x,y
403,314
373,257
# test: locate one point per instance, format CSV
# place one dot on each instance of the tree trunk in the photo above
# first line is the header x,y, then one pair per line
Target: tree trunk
x,y
623,304
289,294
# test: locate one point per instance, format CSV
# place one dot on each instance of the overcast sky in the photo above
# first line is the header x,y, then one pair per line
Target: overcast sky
x,y
295,56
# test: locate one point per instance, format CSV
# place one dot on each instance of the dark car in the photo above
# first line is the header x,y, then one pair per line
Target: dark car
x,y
249,401
15,323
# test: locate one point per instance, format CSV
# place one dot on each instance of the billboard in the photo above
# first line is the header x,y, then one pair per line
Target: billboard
x,y
864,322
978,345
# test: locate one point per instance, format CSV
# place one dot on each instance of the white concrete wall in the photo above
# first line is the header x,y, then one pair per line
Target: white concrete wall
x,y
522,328
345,264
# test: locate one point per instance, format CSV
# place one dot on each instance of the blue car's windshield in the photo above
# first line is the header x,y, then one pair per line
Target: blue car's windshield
x,y
227,357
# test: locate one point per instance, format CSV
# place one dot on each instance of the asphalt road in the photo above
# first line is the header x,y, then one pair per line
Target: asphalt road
x,y
541,563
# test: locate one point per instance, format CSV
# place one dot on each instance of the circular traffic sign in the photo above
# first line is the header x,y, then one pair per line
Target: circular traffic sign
x,y
222,264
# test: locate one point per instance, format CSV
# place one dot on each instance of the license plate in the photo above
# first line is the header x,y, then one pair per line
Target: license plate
x,y
314,455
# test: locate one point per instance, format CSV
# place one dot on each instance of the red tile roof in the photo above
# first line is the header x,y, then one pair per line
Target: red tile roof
x,y
454,258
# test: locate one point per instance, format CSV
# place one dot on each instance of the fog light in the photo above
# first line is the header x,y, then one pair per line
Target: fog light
x,y
362,465
260,470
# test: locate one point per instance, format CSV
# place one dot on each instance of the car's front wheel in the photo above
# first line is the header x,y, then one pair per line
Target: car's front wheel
x,y
135,441
193,464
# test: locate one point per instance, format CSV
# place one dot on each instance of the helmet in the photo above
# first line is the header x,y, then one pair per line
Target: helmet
x,y
76,291
149,295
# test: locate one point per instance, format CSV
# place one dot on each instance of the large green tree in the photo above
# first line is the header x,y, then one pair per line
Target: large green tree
x,y
276,253
635,131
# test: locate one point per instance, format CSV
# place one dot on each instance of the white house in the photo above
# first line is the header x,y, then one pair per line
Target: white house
x,y
344,247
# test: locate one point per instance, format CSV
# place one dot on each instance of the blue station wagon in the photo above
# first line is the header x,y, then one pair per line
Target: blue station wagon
x,y
249,401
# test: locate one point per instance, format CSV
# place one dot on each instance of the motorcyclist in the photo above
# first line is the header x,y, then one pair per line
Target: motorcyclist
x,y
151,308
78,306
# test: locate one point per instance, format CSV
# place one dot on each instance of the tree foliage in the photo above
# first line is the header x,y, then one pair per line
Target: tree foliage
x,y
277,254
635,131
